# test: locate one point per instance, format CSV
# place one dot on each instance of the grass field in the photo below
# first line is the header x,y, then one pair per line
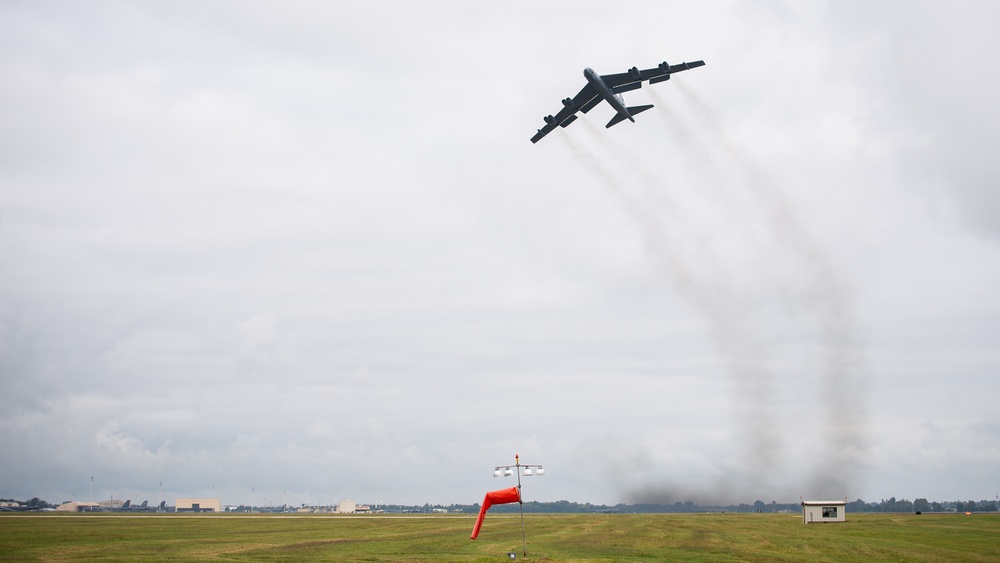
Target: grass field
x,y
550,537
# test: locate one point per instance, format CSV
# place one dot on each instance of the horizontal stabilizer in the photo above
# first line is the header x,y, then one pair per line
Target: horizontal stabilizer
x,y
638,109
618,118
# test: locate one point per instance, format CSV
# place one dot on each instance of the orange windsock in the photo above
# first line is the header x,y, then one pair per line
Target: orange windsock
x,y
503,496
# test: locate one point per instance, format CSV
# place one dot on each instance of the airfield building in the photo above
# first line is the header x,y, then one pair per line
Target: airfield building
x,y
198,505
73,506
819,511
112,504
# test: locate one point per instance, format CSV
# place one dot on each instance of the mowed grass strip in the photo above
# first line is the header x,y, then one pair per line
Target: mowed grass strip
x,y
550,537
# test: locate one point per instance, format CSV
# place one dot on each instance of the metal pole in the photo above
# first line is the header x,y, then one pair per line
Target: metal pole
x,y
520,506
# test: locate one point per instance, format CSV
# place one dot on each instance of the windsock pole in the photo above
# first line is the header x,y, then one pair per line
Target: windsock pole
x,y
520,506
506,495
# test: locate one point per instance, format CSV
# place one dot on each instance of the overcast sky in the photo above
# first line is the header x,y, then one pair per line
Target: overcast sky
x,y
307,249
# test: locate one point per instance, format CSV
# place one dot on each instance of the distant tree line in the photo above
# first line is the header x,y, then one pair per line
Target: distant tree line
x,y
565,506
922,505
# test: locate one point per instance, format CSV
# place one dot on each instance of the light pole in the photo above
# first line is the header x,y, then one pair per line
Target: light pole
x,y
529,470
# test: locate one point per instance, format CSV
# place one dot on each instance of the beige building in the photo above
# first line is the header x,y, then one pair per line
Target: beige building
x,y
819,511
112,504
198,505
78,506
351,507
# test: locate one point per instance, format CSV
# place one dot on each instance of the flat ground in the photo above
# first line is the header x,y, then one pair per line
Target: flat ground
x,y
550,537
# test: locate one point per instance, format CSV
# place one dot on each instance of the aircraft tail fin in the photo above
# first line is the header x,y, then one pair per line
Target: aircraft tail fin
x,y
618,118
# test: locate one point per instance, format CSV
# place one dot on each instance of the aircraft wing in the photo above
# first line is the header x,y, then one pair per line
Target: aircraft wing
x,y
549,127
633,79
587,98
584,101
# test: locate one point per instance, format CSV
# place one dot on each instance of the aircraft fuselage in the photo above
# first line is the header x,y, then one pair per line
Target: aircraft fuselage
x,y
613,99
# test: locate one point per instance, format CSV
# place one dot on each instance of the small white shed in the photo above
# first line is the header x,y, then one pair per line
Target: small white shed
x,y
819,511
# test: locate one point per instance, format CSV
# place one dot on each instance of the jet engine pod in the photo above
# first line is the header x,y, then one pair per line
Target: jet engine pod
x,y
550,120
664,66
634,71
568,102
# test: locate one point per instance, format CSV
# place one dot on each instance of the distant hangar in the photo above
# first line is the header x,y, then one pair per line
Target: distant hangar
x,y
198,505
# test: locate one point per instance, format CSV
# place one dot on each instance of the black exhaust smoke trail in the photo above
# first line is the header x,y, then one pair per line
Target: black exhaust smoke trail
x,y
652,210
793,267
730,200
679,247
734,319
630,203
817,286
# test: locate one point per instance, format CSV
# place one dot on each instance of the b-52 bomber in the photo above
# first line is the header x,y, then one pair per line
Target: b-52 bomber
x,y
609,87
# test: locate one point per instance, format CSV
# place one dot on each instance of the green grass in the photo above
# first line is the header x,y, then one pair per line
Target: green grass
x,y
551,537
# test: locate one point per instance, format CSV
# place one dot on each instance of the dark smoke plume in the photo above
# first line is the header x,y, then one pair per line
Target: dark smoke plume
x,y
811,297
826,294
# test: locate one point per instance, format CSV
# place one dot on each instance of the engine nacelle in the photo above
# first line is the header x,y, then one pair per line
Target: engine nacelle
x,y
568,102
634,71
550,120
664,66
